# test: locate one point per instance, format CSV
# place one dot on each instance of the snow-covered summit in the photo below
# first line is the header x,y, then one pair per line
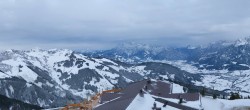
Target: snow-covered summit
x,y
133,47
242,41
137,52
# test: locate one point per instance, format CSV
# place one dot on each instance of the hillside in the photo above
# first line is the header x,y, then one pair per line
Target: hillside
x,y
12,104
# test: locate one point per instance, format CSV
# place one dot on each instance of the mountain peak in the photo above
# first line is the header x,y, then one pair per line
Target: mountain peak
x,y
191,47
132,45
138,46
242,41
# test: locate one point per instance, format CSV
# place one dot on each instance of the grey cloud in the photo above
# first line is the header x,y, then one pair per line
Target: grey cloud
x,y
97,24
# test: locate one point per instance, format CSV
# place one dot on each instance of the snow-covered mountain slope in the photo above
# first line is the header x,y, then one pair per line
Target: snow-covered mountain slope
x,y
55,77
219,63
230,55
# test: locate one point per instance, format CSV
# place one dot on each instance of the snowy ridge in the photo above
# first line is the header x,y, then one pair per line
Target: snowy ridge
x,y
54,77
132,52
40,68
219,55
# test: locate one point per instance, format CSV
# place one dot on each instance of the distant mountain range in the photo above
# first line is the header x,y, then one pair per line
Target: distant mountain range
x,y
229,55
53,78
133,53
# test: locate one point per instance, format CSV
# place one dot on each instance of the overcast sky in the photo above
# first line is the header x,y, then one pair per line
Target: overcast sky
x,y
102,24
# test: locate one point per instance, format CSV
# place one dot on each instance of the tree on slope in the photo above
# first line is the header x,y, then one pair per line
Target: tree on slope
x,y
234,96
203,91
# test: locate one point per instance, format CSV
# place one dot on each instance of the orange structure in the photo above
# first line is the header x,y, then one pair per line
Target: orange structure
x,y
88,105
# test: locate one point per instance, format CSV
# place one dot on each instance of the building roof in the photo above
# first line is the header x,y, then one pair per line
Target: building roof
x,y
125,97
120,101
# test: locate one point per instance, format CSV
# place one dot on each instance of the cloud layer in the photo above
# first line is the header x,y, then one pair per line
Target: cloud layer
x,y
100,24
